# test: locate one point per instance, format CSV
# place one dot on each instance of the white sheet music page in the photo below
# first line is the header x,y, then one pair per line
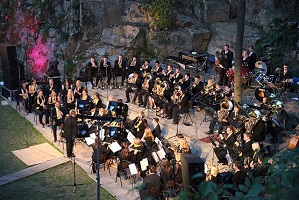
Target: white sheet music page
x,y
133,169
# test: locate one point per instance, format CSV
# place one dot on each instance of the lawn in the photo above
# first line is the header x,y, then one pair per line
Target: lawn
x,y
55,183
15,133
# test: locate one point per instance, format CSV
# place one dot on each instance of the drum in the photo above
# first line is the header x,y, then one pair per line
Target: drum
x,y
272,81
260,79
260,93
230,74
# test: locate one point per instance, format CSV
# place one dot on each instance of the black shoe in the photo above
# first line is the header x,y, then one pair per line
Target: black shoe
x,y
139,105
127,102
55,140
169,117
174,123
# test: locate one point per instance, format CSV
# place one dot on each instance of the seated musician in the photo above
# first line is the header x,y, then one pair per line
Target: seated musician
x,y
104,151
146,68
185,83
78,89
175,99
139,125
183,107
96,104
177,76
149,139
85,100
167,73
135,85
286,77
245,149
134,66
229,141
147,87
70,100
105,70
183,144
237,120
57,115
39,103
149,182
157,71
222,121
137,150
216,96
162,96
157,129
228,91
197,85
166,171
24,96
120,68
66,85
124,110
264,105
240,175
123,155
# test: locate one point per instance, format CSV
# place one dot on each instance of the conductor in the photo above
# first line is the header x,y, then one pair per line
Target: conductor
x,y
70,130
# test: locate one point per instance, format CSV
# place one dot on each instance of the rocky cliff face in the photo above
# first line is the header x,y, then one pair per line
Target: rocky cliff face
x,y
110,27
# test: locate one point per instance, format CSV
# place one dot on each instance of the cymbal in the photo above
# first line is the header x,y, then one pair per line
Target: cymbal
x,y
260,64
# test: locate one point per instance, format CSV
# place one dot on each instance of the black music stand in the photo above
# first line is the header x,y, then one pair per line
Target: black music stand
x,y
209,113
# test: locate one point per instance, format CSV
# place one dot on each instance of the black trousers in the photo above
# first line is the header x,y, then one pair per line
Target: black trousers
x,y
57,122
136,91
223,77
69,146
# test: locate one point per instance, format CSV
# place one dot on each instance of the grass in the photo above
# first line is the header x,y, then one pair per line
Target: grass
x,y
55,183
15,133
18,133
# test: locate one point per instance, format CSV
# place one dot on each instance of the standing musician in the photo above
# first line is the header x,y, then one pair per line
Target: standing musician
x,y
139,125
157,71
105,69
70,100
226,62
40,102
183,107
32,92
23,93
50,105
57,115
91,68
237,121
157,129
135,85
120,68
70,131
251,58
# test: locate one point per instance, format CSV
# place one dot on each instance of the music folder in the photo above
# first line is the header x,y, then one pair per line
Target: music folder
x,y
133,169
115,147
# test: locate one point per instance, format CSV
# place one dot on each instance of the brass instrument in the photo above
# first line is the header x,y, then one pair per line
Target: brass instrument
x,y
254,115
148,76
276,105
226,104
222,114
145,84
131,79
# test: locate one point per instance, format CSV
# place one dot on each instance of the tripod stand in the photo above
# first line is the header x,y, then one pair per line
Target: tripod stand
x,y
206,119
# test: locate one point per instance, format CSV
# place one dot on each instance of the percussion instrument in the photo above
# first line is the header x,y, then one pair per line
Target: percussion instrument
x,y
244,74
260,79
261,66
260,93
294,143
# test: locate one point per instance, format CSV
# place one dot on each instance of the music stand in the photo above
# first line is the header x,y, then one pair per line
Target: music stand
x,y
208,112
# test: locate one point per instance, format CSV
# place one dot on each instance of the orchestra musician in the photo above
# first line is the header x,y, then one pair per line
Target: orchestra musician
x,y
105,69
237,120
149,139
157,128
24,96
70,100
67,84
139,125
228,91
78,89
134,66
167,73
226,62
146,68
40,103
137,150
91,68
96,104
135,85
222,121
57,115
150,181
146,91
229,140
286,77
185,83
85,100
258,130
32,92
157,71
120,68
51,104
50,87
177,76
169,106
197,85
183,107
162,95
245,149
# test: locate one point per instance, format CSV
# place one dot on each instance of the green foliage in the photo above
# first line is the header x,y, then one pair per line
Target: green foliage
x,y
163,13
69,67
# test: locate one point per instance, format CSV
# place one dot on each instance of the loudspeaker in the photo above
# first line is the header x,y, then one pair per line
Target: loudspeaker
x,y
11,70
192,165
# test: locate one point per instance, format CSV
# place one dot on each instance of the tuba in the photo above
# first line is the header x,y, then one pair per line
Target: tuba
x,y
226,104
254,115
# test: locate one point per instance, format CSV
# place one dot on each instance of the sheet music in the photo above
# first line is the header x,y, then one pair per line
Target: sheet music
x,y
130,137
159,143
93,136
161,153
144,164
155,156
115,147
102,134
133,168
89,141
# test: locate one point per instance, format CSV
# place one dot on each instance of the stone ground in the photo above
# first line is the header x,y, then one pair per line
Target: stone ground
x,y
193,133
